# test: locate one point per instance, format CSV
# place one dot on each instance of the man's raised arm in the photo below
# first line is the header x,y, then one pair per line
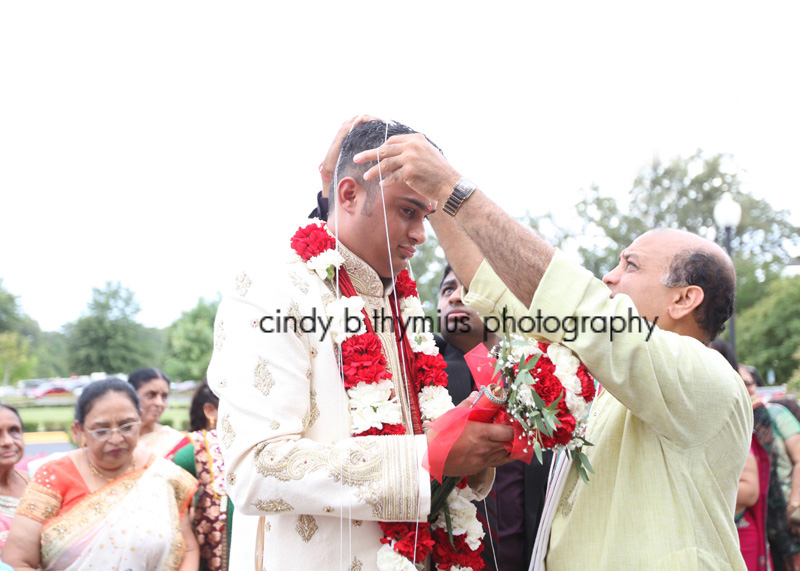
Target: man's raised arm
x,y
516,253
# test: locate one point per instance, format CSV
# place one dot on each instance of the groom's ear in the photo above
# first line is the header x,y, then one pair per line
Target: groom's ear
x,y
349,194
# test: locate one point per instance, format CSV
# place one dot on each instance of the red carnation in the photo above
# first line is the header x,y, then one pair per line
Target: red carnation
x,y
548,386
394,530
405,286
311,241
445,556
562,434
587,383
363,360
544,367
416,548
387,429
430,370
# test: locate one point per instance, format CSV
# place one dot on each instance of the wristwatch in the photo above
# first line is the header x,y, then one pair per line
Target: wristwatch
x,y
461,191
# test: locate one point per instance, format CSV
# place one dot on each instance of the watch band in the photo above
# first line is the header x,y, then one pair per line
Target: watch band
x,y
461,191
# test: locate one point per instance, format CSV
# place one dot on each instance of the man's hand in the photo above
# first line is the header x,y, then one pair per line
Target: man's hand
x,y
479,446
328,166
412,160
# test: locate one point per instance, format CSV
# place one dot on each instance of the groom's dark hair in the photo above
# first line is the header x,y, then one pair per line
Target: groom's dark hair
x,y
364,137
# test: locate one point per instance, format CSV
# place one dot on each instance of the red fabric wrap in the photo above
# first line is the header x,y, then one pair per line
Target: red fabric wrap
x,y
449,427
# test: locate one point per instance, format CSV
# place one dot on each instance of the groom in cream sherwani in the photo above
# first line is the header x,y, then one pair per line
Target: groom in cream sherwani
x,y
307,494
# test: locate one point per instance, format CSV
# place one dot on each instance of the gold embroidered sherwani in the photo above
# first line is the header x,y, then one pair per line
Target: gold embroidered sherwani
x,y
284,427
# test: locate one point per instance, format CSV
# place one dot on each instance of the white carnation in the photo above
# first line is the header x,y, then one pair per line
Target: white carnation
x,y
345,312
321,262
563,358
475,534
459,502
566,364
390,560
411,307
423,343
525,351
371,406
434,401
463,515
577,405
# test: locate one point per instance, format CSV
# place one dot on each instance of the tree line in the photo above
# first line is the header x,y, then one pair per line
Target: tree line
x,y
106,338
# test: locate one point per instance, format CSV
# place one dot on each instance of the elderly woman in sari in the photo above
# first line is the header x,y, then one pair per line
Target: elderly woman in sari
x,y
12,482
109,504
152,388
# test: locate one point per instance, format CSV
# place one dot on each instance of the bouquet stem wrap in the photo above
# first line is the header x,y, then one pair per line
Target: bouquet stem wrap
x,y
488,407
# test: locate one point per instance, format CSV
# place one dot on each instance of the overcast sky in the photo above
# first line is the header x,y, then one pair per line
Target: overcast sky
x,y
160,143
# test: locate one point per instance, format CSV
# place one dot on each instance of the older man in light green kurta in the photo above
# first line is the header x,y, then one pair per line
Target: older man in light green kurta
x,y
671,427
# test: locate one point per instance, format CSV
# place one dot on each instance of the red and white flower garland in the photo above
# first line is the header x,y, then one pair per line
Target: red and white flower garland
x,y
374,411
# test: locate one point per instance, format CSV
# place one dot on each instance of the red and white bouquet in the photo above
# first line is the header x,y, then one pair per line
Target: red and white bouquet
x,y
542,390
548,396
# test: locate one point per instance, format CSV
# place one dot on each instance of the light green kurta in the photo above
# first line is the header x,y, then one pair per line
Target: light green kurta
x,y
671,433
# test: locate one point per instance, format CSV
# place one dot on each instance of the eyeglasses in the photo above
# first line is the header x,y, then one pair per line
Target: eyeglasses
x,y
103,434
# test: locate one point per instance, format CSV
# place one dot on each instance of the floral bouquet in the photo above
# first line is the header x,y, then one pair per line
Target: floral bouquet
x,y
540,389
549,392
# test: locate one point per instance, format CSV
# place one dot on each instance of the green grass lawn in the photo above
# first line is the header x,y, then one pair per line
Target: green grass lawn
x,y
54,418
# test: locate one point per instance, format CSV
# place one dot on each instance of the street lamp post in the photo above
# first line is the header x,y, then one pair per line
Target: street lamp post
x,y
728,214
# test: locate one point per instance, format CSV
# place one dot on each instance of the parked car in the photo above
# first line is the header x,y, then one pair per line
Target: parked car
x,y
771,392
47,390
184,386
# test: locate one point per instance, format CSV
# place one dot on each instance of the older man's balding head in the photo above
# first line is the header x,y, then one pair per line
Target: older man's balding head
x,y
680,278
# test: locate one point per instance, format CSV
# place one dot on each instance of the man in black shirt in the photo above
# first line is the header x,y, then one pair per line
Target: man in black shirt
x,y
514,507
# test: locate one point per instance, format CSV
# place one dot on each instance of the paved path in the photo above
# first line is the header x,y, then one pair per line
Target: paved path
x,y
41,444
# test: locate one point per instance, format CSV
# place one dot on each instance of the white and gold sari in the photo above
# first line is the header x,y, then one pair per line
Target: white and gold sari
x,y
132,522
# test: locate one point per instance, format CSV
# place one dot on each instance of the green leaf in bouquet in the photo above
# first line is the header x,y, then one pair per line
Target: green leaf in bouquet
x,y
550,416
541,426
439,495
537,449
537,400
524,377
449,523
531,363
554,405
582,464
498,369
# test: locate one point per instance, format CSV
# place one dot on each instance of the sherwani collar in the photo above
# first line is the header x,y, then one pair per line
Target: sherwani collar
x,y
365,279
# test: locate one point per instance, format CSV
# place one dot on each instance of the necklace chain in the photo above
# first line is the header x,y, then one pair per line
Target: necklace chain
x,y
97,473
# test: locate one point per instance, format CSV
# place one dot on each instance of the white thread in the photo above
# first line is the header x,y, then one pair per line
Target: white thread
x,y
400,344
489,529
338,349
399,341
